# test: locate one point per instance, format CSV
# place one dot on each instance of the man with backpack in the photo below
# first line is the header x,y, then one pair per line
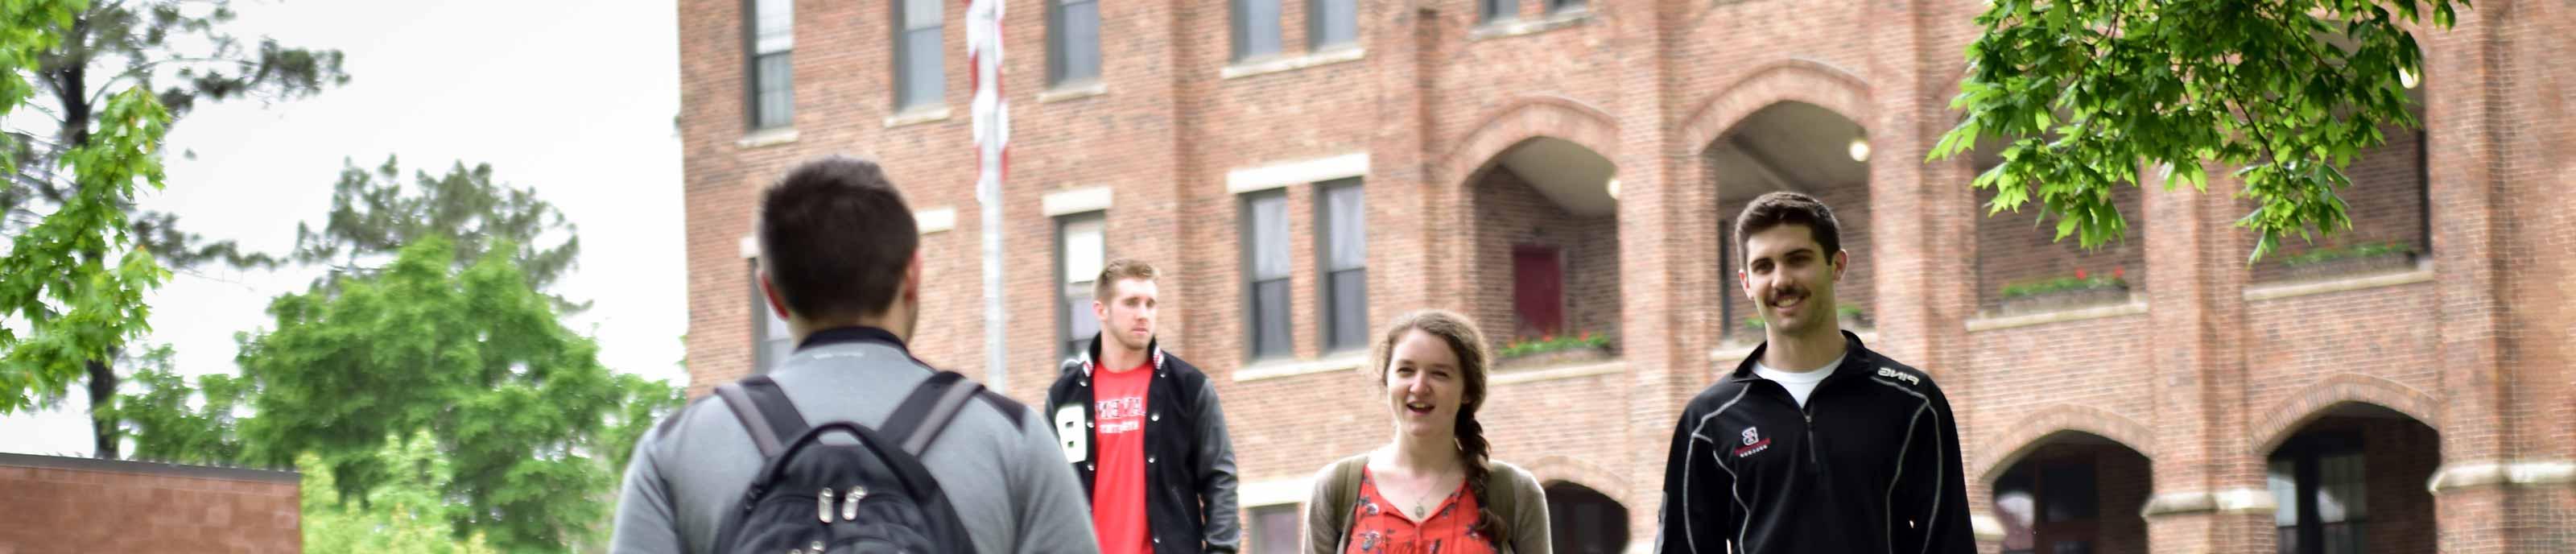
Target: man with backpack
x,y
1144,430
850,444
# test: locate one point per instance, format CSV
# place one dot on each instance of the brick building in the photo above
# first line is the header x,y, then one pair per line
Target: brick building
x,y
59,504
1304,169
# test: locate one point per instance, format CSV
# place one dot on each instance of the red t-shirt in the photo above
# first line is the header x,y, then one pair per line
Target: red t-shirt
x,y
1118,487
1378,526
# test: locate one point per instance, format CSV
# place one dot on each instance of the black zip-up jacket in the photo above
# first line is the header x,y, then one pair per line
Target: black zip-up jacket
x,y
1870,465
1189,460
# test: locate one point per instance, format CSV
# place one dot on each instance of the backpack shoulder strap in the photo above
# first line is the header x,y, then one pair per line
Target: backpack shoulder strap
x,y
924,413
1346,495
765,411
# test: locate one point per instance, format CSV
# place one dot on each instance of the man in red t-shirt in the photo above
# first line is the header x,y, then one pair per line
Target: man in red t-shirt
x,y
1144,431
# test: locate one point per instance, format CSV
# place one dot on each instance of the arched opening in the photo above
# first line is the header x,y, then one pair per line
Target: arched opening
x,y
2076,492
1584,521
1547,253
1800,147
2352,481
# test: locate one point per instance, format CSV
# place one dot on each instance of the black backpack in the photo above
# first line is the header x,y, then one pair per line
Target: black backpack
x,y
872,497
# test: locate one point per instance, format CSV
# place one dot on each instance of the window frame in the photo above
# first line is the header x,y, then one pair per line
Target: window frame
x,y
1254,348
904,70
1060,46
1327,294
1067,283
1318,26
753,52
2307,455
1489,11
1242,33
1254,536
763,360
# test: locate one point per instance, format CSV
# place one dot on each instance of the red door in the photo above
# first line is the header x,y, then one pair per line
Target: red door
x,y
1538,290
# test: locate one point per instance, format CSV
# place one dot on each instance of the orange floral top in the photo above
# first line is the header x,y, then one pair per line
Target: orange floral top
x,y
1378,527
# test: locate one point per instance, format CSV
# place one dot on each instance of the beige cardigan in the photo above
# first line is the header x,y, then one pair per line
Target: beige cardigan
x,y
1519,504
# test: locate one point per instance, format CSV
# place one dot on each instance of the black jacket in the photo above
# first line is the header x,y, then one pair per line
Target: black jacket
x,y
1189,461
1871,464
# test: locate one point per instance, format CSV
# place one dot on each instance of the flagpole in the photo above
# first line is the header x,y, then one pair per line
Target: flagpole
x,y
992,130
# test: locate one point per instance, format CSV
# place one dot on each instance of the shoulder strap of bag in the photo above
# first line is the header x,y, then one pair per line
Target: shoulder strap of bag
x,y
765,411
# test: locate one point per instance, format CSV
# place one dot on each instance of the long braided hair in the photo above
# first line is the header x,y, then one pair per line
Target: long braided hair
x,y
1468,343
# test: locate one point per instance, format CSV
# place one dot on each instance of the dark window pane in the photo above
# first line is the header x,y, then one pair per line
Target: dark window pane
x,y
1080,33
1269,237
1270,318
1498,9
1274,528
774,25
774,101
2339,488
769,335
922,80
1346,228
1257,28
1350,310
1080,323
1559,5
1335,22
2067,493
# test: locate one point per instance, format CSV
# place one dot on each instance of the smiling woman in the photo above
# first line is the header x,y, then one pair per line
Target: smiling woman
x,y
1434,484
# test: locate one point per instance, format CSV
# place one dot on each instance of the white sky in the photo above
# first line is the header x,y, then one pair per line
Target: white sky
x,y
572,97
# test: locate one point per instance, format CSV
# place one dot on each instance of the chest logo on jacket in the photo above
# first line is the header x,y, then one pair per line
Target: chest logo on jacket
x,y
1753,443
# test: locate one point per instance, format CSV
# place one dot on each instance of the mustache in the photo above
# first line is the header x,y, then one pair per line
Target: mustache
x,y
1776,294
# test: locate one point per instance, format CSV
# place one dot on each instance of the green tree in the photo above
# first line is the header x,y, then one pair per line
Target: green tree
x,y
407,513
73,276
2287,91
172,421
522,413
103,80
373,215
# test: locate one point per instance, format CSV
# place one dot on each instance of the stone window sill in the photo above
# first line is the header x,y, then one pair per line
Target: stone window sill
x,y
1507,28
1275,369
1276,64
767,137
1073,91
917,116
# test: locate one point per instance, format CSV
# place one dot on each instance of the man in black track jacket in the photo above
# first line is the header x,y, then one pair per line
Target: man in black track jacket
x,y
1814,443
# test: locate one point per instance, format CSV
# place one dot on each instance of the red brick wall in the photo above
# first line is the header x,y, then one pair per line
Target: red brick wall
x,y
84,505
1434,96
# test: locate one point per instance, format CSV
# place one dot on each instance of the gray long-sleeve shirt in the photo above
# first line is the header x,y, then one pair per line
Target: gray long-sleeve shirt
x,y
1008,481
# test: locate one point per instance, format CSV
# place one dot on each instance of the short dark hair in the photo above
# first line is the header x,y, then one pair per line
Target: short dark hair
x,y
836,238
1779,208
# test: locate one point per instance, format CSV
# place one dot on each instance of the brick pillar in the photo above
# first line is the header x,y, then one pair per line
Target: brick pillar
x,y
2466,195
1667,239
1926,282
2504,485
2210,495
